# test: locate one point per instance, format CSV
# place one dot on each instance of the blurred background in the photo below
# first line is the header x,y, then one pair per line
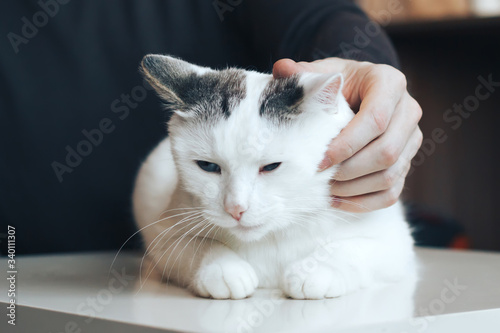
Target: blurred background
x,y
73,79
445,48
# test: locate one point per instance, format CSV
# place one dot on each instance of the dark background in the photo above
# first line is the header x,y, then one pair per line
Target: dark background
x,y
78,72
69,83
460,179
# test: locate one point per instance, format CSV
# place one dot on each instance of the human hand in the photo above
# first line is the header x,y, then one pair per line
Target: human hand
x,y
375,149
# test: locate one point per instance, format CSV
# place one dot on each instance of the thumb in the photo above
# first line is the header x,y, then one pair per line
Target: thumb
x,y
288,67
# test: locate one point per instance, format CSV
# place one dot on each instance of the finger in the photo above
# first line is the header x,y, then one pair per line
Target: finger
x,y
412,148
375,182
288,67
369,202
385,151
377,107
284,68
382,180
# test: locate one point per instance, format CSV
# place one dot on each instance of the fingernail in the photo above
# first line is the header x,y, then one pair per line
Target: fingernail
x,y
335,201
325,164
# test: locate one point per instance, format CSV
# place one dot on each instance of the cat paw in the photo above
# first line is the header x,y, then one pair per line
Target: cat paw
x,y
318,283
234,279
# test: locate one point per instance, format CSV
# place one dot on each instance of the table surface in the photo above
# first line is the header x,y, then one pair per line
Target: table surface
x,y
457,291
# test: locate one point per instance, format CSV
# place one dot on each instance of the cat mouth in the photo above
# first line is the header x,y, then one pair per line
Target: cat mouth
x,y
247,228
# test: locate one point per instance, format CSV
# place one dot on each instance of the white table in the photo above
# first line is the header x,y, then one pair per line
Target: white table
x,y
457,292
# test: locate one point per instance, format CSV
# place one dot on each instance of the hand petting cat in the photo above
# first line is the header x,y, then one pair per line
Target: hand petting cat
x,y
376,147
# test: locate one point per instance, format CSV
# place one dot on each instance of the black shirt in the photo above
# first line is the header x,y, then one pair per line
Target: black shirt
x,y
76,120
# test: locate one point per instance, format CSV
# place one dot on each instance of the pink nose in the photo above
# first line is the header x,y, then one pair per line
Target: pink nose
x,y
235,211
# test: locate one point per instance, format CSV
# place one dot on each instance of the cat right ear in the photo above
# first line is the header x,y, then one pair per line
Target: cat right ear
x,y
170,78
324,88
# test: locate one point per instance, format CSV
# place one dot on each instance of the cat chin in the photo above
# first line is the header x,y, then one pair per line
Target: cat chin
x,y
248,235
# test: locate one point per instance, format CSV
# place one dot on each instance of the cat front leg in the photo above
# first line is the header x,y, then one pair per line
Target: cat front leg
x,y
303,281
206,267
223,274
344,266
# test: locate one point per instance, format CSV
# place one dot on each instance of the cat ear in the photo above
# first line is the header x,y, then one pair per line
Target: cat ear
x,y
323,88
286,98
171,77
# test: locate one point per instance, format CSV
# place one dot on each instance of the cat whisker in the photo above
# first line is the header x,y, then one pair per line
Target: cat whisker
x,y
185,246
135,233
329,208
344,201
185,208
214,226
320,218
201,225
155,242
365,208
159,250
178,231
317,211
184,219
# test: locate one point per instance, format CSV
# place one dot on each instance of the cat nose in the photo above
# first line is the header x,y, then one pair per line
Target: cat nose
x,y
236,211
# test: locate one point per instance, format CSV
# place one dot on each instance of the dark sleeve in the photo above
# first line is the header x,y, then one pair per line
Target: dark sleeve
x,y
314,29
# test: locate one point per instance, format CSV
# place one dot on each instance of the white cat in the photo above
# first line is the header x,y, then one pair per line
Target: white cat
x,y
232,200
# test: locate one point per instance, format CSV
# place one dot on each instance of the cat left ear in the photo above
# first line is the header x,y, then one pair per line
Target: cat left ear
x,y
323,88
171,78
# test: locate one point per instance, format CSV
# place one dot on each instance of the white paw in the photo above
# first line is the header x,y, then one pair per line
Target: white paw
x,y
223,279
319,282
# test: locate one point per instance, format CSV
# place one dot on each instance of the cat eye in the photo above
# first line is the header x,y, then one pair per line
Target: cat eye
x,y
208,166
270,167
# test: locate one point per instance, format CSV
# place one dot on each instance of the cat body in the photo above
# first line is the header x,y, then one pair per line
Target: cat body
x,y
232,200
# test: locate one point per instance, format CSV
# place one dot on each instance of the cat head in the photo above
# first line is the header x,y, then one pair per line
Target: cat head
x,y
247,146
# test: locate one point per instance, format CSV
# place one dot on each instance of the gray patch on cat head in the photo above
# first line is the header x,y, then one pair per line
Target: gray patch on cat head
x,y
280,100
215,94
209,96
